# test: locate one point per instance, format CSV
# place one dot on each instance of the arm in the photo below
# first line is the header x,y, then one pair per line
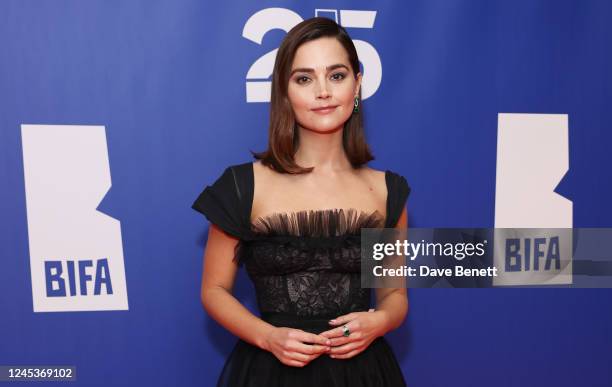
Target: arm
x,y
393,302
218,277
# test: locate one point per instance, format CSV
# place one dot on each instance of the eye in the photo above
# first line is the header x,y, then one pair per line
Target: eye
x,y
300,78
341,76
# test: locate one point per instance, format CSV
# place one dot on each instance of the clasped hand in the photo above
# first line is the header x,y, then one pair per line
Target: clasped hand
x,y
297,348
364,327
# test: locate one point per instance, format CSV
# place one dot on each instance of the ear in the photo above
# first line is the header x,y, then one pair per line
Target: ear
x,y
357,84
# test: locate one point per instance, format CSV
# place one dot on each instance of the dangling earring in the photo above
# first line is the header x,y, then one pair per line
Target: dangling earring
x,y
356,106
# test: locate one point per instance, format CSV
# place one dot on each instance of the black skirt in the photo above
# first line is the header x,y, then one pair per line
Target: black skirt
x,y
250,366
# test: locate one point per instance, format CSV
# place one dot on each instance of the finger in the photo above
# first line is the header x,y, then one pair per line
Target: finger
x,y
301,357
327,334
297,356
342,349
353,327
309,349
308,337
342,319
330,333
347,355
294,363
337,341
334,333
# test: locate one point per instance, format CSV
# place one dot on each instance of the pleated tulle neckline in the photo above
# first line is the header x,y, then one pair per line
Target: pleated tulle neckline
x,y
317,223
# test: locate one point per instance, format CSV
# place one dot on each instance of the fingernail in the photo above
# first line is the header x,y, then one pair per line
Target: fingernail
x,y
332,321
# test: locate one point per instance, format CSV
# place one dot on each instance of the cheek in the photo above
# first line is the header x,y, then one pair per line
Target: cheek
x,y
298,99
300,103
345,96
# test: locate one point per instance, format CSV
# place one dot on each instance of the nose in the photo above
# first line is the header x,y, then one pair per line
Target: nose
x,y
322,90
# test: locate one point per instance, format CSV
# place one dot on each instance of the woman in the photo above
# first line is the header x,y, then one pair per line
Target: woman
x,y
293,218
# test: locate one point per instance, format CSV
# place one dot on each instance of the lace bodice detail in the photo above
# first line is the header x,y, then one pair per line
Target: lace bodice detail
x,y
308,263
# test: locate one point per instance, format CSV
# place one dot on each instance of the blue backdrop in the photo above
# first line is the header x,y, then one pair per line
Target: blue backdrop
x,y
167,81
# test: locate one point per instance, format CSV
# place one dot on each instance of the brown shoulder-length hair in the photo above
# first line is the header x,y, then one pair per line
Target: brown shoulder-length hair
x,y
283,136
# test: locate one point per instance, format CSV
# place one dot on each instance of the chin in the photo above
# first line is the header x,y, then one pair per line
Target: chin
x,y
325,126
324,129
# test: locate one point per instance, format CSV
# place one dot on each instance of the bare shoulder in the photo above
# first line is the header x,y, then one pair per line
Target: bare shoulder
x,y
375,179
265,181
262,172
257,164
374,175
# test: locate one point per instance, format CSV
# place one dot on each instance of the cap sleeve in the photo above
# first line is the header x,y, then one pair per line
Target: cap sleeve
x,y
220,203
398,191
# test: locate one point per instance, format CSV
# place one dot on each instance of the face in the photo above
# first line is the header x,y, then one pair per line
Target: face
x,y
321,76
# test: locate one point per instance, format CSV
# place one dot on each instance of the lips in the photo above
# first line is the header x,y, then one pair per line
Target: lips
x,y
325,109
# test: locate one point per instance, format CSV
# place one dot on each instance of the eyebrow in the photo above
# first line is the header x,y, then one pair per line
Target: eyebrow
x,y
309,70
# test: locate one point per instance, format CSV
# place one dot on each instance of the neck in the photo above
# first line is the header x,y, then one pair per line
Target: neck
x,y
322,150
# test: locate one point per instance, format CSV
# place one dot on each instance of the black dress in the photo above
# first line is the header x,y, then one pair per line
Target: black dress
x,y
305,267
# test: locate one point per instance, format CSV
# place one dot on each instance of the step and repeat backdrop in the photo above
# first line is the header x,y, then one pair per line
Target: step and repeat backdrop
x,y
115,115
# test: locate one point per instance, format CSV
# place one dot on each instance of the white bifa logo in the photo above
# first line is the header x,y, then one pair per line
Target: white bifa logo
x,y
76,254
532,158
